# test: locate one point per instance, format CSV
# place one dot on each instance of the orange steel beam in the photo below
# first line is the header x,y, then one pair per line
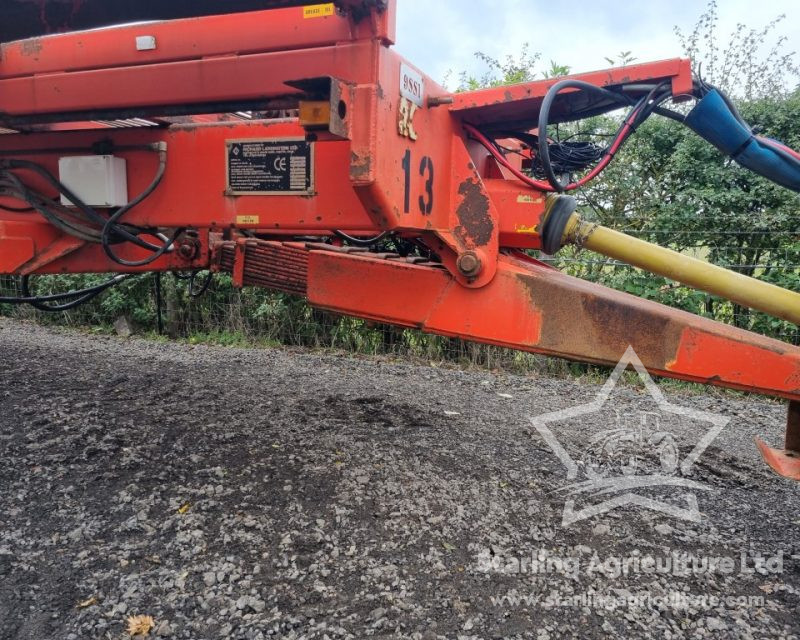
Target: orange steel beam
x,y
520,103
233,58
174,41
532,307
218,80
36,18
528,306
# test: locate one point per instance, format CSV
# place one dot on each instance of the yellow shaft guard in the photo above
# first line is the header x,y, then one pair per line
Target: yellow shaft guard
x,y
692,272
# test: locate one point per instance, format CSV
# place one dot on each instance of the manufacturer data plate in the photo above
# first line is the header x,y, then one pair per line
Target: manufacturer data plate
x,y
270,167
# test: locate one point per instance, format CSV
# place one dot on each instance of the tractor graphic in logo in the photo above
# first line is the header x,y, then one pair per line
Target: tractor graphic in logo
x,y
624,464
627,449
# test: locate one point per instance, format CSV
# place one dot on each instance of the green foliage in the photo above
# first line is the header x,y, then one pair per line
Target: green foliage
x,y
750,63
556,70
622,59
511,70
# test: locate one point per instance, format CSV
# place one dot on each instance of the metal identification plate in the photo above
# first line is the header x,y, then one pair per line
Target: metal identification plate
x,y
270,167
412,85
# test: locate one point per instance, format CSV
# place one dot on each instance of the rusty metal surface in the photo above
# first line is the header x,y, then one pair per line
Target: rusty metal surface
x,y
475,224
283,266
610,321
271,265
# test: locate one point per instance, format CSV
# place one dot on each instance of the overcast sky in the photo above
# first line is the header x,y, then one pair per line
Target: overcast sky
x,y
442,35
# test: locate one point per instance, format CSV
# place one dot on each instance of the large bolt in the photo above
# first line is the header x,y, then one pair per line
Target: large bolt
x,y
188,250
436,101
469,264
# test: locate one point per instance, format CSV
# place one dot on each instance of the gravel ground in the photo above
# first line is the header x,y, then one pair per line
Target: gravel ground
x,y
234,493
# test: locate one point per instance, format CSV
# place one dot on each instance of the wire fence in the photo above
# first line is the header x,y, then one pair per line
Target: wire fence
x,y
255,317
770,255
702,304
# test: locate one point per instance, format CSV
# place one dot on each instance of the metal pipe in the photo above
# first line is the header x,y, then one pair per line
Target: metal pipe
x,y
692,272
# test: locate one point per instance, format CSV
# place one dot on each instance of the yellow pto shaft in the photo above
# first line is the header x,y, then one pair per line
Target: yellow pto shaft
x,y
692,272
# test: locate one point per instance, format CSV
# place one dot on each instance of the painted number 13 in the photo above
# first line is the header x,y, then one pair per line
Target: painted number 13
x,y
426,171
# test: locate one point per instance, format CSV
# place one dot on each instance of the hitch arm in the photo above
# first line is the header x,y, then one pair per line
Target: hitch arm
x,y
532,307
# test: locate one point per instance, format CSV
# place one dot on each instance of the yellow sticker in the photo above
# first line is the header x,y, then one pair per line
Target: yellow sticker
x,y
248,219
524,198
521,228
318,10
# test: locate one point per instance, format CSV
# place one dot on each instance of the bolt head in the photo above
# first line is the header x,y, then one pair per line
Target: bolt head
x,y
469,263
187,250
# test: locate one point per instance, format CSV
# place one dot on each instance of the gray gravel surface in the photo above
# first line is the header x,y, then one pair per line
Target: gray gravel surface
x,y
234,493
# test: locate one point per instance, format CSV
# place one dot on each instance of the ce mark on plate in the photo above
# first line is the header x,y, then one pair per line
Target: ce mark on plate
x,y
280,164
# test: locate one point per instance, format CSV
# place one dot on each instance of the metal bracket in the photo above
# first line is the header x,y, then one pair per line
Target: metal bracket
x,y
786,461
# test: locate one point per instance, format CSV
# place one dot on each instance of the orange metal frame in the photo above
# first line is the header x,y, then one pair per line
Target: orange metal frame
x,y
381,163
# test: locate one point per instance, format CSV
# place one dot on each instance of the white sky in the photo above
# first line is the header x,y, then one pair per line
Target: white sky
x,y
442,35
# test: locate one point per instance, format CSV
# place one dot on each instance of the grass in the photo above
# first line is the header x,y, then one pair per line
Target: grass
x,y
508,361
260,319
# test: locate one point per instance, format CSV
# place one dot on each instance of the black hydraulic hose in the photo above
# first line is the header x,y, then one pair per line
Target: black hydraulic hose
x,y
196,293
112,224
146,261
544,118
12,186
361,242
73,298
669,113
27,165
88,211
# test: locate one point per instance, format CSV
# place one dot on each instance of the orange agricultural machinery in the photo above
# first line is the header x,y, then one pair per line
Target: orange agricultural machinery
x,y
289,145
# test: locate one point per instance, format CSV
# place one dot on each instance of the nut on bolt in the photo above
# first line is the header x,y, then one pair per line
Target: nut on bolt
x,y
188,249
469,264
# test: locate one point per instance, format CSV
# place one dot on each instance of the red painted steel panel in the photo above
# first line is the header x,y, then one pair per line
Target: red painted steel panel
x,y
192,191
522,101
255,77
188,39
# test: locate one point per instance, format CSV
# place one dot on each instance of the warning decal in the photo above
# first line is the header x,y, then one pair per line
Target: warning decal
x,y
319,10
270,167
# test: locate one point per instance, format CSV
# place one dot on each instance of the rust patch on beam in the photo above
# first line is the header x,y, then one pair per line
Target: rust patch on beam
x,y
577,322
475,225
360,167
589,322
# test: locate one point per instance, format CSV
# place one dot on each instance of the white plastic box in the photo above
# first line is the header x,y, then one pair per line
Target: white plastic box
x,y
100,181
